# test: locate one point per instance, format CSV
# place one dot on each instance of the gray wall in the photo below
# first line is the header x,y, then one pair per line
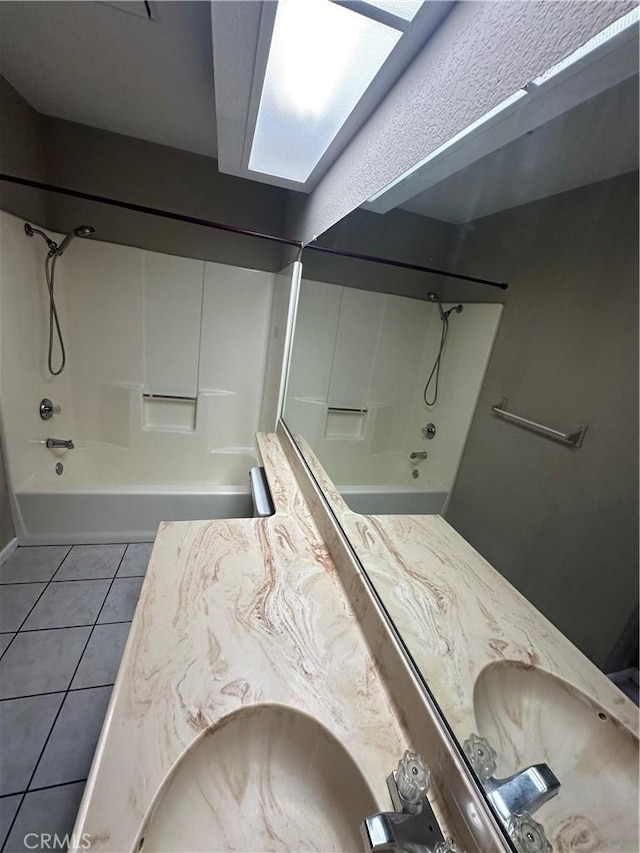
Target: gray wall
x,y
398,235
75,156
6,522
21,153
561,524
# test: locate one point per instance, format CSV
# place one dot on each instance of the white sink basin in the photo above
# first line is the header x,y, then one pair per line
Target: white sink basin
x,y
529,716
265,778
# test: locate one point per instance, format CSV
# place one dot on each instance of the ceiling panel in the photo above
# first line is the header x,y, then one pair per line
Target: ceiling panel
x,y
92,63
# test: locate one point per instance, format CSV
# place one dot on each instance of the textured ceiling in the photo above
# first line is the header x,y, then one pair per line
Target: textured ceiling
x,y
480,55
92,63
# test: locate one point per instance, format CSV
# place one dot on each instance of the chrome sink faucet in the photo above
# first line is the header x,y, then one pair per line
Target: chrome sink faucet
x,y
525,791
517,797
65,443
412,827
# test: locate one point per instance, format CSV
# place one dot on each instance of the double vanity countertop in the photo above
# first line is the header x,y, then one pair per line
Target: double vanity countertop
x,y
246,613
235,614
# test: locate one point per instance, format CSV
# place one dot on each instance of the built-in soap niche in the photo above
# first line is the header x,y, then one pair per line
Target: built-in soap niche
x,y
345,423
169,414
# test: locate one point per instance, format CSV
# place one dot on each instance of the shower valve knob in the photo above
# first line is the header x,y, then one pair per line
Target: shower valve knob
x,y
429,430
47,409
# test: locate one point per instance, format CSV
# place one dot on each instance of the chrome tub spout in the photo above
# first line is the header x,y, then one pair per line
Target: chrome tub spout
x,y
60,443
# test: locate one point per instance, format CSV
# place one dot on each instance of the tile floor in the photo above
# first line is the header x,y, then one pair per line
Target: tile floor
x,y
65,613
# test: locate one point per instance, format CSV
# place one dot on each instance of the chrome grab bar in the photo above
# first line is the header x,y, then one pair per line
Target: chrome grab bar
x,y
571,439
347,410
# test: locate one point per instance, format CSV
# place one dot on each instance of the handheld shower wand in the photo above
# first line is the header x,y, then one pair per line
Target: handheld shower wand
x,y
444,315
55,251
54,248
435,371
80,231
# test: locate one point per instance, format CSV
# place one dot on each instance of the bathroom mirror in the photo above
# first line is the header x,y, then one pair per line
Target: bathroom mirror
x,y
553,213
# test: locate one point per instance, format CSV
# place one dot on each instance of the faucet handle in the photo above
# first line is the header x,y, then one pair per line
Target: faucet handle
x,y
47,409
527,834
413,778
447,846
482,756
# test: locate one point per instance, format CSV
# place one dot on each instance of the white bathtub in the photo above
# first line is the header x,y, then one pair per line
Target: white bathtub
x,y
394,500
107,494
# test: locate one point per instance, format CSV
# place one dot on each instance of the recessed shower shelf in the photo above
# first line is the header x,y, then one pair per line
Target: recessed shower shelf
x,y
169,413
572,439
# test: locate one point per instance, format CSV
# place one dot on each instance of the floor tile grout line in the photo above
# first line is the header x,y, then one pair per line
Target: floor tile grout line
x,y
35,603
115,577
66,627
69,580
44,788
56,692
89,544
66,693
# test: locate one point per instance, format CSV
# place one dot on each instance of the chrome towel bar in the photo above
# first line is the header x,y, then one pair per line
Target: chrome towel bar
x,y
572,439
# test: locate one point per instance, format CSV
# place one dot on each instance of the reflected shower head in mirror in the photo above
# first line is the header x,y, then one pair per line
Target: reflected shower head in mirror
x,y
444,315
435,371
433,297
456,308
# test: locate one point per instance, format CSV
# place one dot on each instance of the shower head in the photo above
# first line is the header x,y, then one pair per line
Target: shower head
x,y
433,297
456,308
29,230
444,315
54,248
80,231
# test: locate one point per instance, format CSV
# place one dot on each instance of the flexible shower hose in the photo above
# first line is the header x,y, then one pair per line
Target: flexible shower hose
x,y
49,271
436,366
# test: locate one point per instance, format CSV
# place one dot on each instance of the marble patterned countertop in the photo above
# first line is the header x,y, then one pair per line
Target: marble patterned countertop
x,y
235,613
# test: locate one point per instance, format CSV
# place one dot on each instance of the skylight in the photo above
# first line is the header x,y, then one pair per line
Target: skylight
x,y
321,61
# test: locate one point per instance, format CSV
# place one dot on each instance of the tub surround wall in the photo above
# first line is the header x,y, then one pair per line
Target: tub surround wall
x,y
209,638
24,379
184,328
370,351
286,288
135,323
